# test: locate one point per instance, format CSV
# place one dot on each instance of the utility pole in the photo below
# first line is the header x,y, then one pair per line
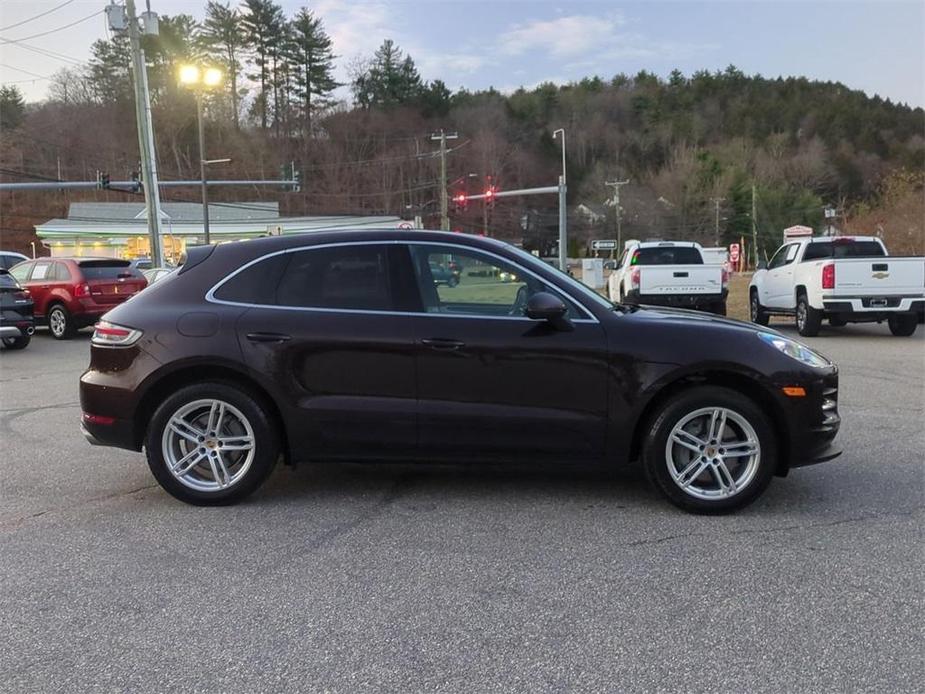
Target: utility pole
x,y
716,202
202,169
619,213
755,223
563,209
444,202
145,136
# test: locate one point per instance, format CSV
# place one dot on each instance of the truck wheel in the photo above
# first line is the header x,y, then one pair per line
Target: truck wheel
x,y
837,322
904,325
710,450
758,314
808,318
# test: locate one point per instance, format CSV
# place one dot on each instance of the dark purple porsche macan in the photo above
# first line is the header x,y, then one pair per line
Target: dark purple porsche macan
x,y
396,345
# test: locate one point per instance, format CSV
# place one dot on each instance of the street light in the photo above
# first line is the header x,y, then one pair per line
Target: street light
x,y
563,214
199,79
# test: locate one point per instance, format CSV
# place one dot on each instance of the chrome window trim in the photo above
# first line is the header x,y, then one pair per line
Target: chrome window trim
x,y
210,295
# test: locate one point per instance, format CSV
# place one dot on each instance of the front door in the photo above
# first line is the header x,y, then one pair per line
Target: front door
x,y
331,329
492,382
779,282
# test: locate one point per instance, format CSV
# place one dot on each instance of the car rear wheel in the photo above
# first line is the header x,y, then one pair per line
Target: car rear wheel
x,y
211,444
60,323
904,325
20,342
757,313
710,450
808,319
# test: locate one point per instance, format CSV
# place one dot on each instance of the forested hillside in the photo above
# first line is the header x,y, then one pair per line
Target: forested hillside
x,y
690,145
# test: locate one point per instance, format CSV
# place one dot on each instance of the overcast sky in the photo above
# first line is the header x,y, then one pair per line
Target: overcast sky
x,y
876,45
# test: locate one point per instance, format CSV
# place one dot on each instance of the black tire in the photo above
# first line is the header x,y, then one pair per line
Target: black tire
x,y
674,410
20,342
903,325
837,322
756,310
808,319
266,444
63,329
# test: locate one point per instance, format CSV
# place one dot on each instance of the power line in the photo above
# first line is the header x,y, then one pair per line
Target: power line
x,y
28,72
61,28
34,17
41,51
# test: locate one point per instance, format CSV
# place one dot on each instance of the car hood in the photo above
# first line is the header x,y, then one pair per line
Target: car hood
x,y
691,317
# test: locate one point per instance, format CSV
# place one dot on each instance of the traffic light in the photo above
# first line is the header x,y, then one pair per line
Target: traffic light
x,y
297,177
102,180
490,196
460,201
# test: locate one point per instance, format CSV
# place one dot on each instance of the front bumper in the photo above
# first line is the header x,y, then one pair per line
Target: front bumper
x,y
813,423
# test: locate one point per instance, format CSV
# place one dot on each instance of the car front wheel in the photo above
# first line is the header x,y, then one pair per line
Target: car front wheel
x,y
710,450
211,444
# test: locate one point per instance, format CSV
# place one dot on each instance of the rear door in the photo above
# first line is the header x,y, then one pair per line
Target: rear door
x,y
111,281
492,382
332,331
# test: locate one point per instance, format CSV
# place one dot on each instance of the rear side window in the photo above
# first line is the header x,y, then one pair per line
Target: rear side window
x,y
347,277
107,269
667,255
843,249
41,271
255,284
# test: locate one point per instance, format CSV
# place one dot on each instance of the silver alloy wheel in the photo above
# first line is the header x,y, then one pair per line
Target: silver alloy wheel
x,y
57,321
754,307
713,453
208,445
801,315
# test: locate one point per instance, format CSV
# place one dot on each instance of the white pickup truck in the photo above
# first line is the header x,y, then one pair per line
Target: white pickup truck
x,y
846,279
668,273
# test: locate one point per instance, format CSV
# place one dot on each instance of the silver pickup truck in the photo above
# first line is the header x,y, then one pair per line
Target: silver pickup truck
x,y
669,273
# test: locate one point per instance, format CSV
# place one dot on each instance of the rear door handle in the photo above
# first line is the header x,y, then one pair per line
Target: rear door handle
x,y
442,343
268,337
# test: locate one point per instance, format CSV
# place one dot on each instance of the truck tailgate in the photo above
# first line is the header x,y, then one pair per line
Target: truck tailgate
x,y
680,279
878,276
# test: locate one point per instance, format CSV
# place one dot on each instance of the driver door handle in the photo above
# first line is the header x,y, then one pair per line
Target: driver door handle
x,y
443,344
268,337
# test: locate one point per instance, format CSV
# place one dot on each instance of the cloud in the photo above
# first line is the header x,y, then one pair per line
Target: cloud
x,y
568,36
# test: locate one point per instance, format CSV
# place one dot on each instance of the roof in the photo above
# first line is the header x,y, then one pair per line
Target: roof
x,y
174,211
656,244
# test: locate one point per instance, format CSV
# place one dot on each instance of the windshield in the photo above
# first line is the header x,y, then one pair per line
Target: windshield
x,y
7,281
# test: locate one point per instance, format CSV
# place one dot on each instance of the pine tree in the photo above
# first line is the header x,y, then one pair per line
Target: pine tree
x,y
110,69
224,39
263,23
12,108
313,66
390,80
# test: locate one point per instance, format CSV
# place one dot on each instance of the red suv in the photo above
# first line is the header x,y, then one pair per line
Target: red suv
x,y
72,293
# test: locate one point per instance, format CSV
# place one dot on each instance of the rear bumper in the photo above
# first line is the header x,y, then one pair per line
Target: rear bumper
x,y
119,434
677,300
870,308
18,330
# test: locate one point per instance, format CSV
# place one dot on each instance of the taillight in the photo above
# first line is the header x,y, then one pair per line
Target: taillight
x,y
634,278
82,290
112,335
828,276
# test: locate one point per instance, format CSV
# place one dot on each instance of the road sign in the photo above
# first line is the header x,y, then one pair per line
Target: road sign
x,y
604,245
733,252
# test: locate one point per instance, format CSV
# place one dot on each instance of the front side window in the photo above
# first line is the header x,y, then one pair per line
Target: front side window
x,y
784,255
454,280
41,272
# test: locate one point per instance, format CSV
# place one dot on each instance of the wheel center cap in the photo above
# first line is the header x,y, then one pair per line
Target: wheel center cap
x,y
711,452
211,443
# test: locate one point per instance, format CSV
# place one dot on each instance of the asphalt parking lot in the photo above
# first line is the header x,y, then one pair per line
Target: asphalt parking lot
x,y
350,578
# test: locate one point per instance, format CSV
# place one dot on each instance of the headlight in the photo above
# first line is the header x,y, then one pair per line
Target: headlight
x,y
794,349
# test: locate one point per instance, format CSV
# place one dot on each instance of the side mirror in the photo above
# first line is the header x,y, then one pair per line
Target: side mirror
x,y
550,308
762,265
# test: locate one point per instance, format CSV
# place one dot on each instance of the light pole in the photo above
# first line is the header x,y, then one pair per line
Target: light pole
x,y
563,213
200,79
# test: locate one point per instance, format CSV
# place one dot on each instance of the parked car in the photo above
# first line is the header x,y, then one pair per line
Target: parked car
x,y
10,258
339,346
156,273
72,293
444,273
669,273
16,320
846,279
142,263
